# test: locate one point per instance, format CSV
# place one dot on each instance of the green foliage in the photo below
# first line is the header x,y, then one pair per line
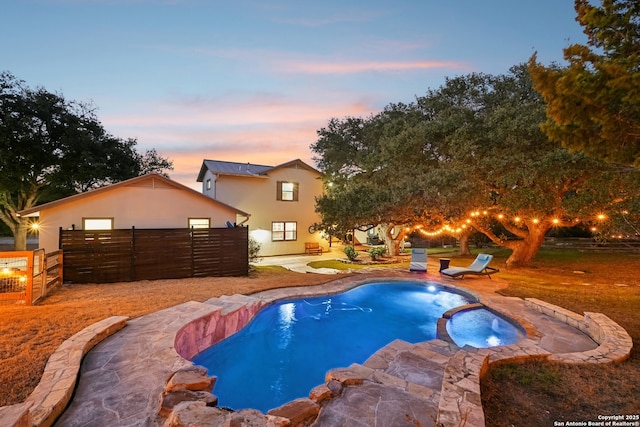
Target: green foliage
x,y
350,252
254,250
593,104
474,143
377,252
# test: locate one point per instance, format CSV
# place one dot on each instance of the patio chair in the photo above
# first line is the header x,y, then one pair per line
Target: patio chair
x,y
480,266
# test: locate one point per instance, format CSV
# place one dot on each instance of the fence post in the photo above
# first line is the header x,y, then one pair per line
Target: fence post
x,y
133,253
193,262
29,289
60,266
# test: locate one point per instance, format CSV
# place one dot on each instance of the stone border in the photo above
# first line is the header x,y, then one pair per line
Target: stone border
x,y
229,314
52,395
460,402
614,342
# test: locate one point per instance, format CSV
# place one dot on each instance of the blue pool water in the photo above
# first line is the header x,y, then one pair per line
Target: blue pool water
x,y
286,350
481,328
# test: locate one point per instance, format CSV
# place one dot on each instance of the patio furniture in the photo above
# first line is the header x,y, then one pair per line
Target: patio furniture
x,y
480,266
312,248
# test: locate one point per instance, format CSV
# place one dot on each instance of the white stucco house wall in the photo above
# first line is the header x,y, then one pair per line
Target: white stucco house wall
x,y
145,202
281,200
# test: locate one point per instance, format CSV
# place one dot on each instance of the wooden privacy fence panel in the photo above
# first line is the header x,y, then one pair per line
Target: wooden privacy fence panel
x,y
145,254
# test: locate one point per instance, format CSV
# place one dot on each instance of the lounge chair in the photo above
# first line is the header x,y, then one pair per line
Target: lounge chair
x,y
480,266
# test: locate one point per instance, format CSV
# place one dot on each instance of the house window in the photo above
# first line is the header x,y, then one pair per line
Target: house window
x,y
284,231
209,184
97,223
287,191
199,222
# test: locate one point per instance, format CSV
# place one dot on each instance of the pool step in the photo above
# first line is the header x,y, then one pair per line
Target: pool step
x,y
402,375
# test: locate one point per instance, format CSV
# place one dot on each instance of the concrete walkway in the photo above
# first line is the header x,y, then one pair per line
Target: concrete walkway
x,y
123,377
299,263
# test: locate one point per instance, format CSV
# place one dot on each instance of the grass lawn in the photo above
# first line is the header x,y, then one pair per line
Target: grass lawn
x,y
531,394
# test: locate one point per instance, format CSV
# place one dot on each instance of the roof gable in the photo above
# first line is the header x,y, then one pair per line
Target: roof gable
x,y
152,180
220,167
297,164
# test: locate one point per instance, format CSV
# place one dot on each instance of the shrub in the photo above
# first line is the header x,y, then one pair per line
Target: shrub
x,y
254,250
350,252
377,252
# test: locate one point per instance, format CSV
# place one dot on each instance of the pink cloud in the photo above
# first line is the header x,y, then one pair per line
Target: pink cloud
x,y
258,129
361,67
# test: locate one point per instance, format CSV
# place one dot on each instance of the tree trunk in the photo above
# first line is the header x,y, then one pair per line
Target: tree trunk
x,y
464,245
20,235
525,250
392,243
10,205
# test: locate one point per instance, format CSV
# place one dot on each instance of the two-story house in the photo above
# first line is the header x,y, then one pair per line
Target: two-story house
x,y
281,200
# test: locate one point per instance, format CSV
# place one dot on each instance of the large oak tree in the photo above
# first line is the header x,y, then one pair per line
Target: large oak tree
x,y
470,154
51,147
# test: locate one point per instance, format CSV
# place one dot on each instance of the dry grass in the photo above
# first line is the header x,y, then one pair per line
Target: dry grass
x,y
513,395
522,395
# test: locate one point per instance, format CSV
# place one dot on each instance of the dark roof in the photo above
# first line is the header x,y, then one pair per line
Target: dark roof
x,y
231,168
220,167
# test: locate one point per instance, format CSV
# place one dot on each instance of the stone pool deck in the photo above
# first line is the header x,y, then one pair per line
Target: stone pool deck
x,y
123,379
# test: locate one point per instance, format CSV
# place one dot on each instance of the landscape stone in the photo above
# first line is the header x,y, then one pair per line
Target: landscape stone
x,y
301,412
191,378
320,393
172,398
195,414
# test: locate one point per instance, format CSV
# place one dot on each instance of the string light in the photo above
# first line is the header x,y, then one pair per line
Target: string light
x,y
468,223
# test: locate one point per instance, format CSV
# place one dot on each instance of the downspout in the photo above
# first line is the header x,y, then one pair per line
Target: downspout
x,y
245,219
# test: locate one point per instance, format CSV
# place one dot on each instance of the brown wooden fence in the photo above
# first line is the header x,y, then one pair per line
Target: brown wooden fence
x,y
589,244
29,275
146,254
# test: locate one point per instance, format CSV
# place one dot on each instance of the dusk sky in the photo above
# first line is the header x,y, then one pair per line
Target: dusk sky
x,y
252,81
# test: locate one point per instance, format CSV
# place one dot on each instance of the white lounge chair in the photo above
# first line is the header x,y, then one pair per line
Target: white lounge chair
x,y
480,266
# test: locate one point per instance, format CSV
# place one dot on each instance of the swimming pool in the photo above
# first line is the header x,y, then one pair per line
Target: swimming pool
x,y
289,346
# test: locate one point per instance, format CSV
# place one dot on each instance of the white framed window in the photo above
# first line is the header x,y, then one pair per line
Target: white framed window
x,y
199,223
284,231
287,191
97,223
209,184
